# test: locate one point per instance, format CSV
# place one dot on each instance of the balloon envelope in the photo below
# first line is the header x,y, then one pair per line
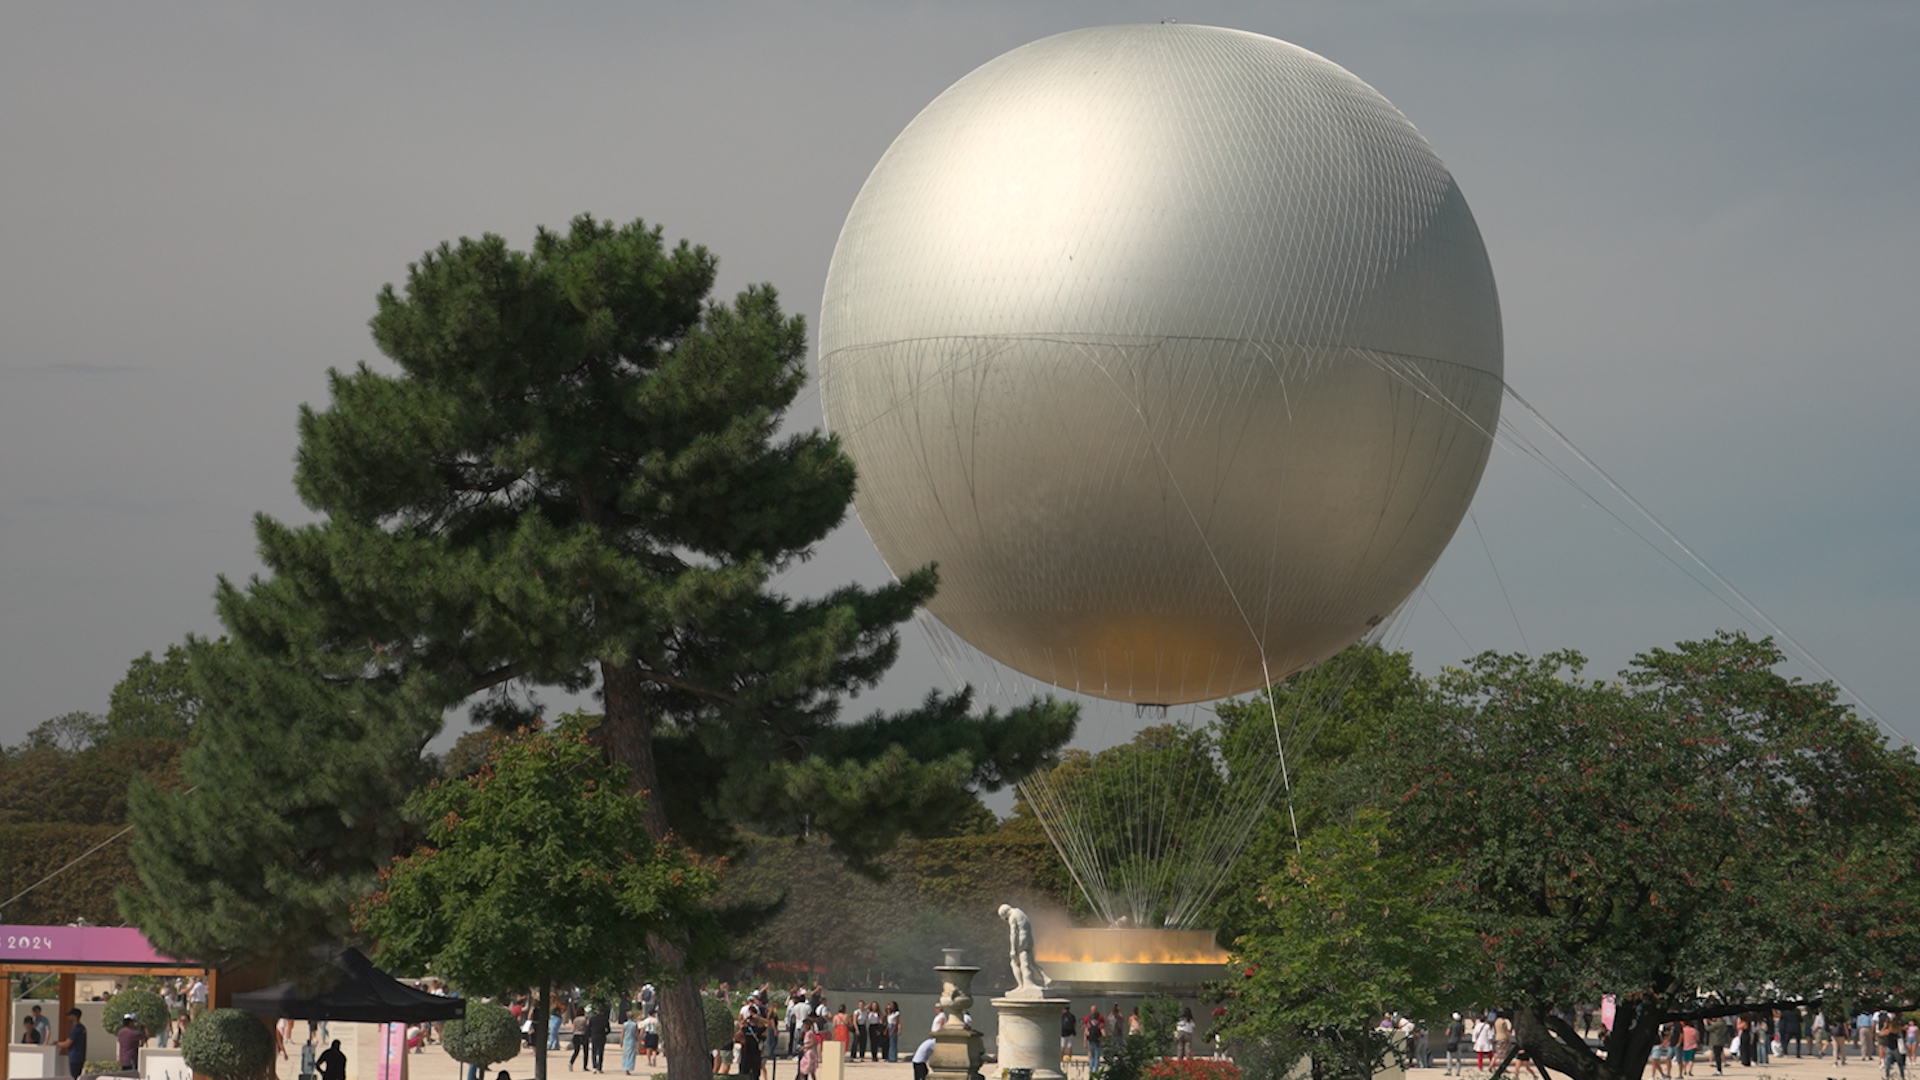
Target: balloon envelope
x,y
1177,349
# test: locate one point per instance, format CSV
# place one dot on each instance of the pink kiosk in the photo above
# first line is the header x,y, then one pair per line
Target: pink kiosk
x,y
68,951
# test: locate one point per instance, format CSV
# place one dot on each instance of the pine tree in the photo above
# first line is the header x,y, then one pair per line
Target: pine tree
x,y
574,478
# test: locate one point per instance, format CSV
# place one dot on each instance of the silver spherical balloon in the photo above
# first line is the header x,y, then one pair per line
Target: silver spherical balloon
x,y
1177,349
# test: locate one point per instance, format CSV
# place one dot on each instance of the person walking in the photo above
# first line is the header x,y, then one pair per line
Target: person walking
x,y
1663,1053
1456,1035
629,1044
1502,1038
1482,1044
1719,1035
1096,1032
598,1027
809,1063
1689,1046
1069,1027
577,1041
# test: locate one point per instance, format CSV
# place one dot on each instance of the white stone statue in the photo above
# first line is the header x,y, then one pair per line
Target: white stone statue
x,y
1028,979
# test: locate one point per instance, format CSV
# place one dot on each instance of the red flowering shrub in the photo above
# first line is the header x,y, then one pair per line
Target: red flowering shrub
x,y
1192,1069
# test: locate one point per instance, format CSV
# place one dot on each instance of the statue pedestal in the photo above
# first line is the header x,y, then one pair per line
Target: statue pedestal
x,y
1029,1035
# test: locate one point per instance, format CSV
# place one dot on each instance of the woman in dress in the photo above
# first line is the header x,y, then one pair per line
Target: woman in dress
x,y
841,1034
629,1044
810,1057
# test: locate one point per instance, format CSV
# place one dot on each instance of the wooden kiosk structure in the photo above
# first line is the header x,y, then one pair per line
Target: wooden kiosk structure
x,y
68,951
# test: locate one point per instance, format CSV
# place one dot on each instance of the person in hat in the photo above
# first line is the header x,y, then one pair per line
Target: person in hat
x,y
131,1037
75,1044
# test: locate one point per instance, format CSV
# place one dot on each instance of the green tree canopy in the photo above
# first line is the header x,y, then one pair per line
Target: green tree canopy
x,y
571,476
1352,928
537,871
156,699
1702,826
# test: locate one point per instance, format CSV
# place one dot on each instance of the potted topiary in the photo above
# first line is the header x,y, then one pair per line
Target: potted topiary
x,y
228,1044
487,1035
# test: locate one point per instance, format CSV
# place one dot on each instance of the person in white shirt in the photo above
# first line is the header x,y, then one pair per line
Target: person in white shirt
x,y
920,1057
797,1014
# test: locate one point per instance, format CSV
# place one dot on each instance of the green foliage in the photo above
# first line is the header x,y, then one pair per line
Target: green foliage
x,y
28,853
536,870
155,700
572,477
227,1044
1127,1057
719,1020
149,1010
1326,715
298,769
1703,822
1352,928
488,1034
68,733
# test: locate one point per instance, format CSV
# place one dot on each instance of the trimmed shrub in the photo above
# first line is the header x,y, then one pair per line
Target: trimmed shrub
x,y
489,1034
148,1008
721,1020
227,1044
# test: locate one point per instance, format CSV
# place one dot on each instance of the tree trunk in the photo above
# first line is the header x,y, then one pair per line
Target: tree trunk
x,y
629,740
540,1029
1555,1044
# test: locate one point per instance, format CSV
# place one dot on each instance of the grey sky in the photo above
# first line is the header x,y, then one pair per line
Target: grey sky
x,y
1704,219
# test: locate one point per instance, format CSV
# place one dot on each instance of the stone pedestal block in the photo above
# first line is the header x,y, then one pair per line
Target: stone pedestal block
x,y
1029,1035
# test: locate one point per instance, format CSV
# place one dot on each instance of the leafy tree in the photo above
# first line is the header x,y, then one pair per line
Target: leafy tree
x,y
155,700
1350,929
488,1034
536,871
1702,825
68,733
1325,716
570,478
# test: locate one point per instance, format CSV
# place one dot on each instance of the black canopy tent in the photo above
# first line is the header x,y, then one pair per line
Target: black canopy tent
x,y
363,995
